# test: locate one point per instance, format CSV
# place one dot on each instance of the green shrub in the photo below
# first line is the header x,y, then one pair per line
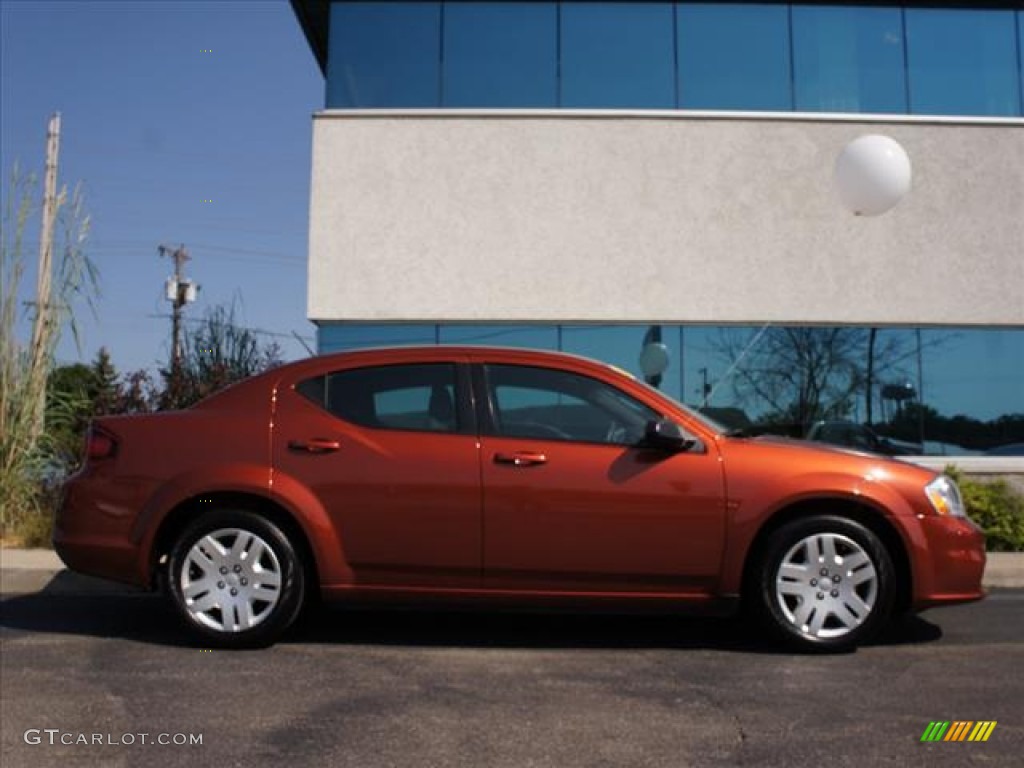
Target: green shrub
x,y
28,506
997,508
34,530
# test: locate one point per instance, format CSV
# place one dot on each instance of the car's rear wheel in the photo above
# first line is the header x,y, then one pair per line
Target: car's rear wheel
x,y
236,579
824,583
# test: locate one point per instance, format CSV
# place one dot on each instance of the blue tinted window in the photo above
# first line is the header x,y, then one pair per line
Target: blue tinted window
x,y
734,56
621,345
338,337
977,373
962,62
535,336
848,59
617,55
1020,55
500,55
384,55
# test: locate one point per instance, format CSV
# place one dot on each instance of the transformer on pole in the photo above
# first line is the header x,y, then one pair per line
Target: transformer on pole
x,y
180,291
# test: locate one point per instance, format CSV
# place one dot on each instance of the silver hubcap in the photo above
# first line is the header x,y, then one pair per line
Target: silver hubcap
x,y
231,580
826,585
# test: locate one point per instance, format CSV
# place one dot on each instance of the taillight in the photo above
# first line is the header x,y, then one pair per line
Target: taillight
x,y
99,445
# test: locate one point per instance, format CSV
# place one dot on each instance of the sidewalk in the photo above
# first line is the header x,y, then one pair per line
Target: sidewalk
x,y
30,570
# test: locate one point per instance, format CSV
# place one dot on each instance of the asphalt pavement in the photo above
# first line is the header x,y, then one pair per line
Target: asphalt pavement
x,y
113,668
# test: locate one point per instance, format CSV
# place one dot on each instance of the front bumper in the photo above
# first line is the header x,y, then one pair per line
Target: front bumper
x,y
950,562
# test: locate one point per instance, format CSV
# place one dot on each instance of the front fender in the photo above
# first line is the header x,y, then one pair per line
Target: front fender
x,y
749,514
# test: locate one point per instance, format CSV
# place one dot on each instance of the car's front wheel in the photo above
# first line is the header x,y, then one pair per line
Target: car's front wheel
x,y
236,579
824,583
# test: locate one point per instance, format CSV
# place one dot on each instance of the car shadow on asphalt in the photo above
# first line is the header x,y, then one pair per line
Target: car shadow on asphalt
x,y
550,630
139,617
148,618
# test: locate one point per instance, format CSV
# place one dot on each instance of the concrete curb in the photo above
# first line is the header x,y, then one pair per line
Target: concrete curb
x,y
1004,569
24,571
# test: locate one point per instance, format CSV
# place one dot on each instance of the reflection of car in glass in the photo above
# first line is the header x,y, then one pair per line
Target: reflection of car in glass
x,y
861,438
500,475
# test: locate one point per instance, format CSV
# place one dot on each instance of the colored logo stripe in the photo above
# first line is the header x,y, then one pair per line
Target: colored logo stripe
x,y
982,730
958,730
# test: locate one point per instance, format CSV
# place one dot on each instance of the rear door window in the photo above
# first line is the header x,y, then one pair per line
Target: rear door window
x,y
417,397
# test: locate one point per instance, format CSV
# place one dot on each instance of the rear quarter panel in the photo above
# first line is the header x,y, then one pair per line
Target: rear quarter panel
x,y
162,460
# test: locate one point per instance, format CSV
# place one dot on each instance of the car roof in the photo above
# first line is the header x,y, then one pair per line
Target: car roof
x,y
296,370
453,352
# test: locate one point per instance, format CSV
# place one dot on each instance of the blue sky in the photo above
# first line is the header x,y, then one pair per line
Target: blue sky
x,y
152,126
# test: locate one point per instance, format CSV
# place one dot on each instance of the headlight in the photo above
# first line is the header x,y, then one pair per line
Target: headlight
x,y
945,497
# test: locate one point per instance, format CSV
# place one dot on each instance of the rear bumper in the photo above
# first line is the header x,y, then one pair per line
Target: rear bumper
x,y
100,559
952,564
94,537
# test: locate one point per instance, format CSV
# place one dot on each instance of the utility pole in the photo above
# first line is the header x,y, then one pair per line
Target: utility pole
x,y
179,291
42,327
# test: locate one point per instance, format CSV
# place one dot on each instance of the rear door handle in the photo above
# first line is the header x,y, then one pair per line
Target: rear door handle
x,y
314,445
521,458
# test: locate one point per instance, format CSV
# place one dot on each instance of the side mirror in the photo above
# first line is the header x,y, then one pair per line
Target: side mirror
x,y
667,436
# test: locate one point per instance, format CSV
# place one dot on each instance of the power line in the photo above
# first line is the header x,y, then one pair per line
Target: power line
x,y
259,331
264,257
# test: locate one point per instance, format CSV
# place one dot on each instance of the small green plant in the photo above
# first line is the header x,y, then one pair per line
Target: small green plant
x,y
997,508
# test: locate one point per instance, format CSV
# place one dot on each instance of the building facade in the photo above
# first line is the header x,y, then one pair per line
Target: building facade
x,y
600,176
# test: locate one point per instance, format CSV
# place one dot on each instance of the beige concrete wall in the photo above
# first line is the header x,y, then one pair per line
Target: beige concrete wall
x,y
658,217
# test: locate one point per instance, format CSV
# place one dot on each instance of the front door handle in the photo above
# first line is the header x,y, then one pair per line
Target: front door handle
x,y
521,458
314,445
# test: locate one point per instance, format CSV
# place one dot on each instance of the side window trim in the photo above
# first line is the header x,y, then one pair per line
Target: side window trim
x,y
486,417
465,400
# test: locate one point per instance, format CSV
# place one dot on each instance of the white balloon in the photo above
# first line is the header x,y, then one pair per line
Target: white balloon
x,y
653,359
872,174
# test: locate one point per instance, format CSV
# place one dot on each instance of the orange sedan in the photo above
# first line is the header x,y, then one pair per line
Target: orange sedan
x,y
502,476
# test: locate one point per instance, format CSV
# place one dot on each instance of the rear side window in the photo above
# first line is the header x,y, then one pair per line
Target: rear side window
x,y
409,397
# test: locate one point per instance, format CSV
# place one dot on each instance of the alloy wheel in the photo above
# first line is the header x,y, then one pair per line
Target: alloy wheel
x,y
230,580
826,585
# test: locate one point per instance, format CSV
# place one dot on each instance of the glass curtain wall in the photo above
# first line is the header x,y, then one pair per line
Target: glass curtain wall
x,y
826,57
849,59
936,391
500,55
734,56
963,62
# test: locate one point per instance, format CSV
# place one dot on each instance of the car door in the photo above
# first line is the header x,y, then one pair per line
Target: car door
x,y
573,502
390,452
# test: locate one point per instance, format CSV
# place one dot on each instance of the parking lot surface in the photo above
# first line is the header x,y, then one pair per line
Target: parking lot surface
x,y
486,690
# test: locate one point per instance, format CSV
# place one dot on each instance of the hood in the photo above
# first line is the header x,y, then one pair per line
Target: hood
x,y
827,458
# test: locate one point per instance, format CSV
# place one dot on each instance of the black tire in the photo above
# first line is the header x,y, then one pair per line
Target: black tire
x,y
246,600
822,584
